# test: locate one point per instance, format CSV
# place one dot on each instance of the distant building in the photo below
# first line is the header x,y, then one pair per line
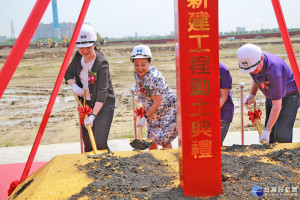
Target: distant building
x,y
3,38
240,29
47,31
67,28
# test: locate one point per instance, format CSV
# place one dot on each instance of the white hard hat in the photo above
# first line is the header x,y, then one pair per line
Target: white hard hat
x,y
249,56
87,36
141,51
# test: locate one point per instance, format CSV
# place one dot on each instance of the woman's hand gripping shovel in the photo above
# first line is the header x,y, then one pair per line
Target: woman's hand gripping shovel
x,y
254,116
84,110
138,113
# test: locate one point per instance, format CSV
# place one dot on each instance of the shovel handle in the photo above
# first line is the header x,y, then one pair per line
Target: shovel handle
x,y
89,128
75,96
141,133
259,129
92,139
140,130
84,101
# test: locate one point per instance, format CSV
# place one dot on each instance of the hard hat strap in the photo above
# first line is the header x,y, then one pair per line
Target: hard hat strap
x,y
246,68
85,42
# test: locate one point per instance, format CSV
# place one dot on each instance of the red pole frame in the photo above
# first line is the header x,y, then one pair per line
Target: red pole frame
x,y
242,85
80,129
21,44
286,40
56,89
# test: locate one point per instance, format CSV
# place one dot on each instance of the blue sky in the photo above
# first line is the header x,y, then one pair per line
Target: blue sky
x,y
117,18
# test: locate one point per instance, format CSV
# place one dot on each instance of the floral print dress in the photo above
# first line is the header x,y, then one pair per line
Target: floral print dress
x,y
162,124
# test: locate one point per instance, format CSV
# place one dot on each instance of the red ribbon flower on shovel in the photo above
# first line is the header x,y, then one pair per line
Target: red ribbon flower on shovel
x,y
139,112
92,76
84,111
254,115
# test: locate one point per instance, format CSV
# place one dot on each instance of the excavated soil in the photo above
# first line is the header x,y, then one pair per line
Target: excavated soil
x,y
140,176
144,177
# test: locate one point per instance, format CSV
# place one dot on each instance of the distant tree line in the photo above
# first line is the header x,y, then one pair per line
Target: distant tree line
x,y
133,38
157,37
268,30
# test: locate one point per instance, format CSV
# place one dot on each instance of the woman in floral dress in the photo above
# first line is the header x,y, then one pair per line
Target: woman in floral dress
x,y
157,98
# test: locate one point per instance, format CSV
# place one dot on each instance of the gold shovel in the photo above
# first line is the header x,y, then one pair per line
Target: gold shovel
x,y
139,144
259,129
89,128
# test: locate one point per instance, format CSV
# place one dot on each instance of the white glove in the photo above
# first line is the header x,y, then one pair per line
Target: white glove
x,y
78,91
247,98
265,136
141,122
90,121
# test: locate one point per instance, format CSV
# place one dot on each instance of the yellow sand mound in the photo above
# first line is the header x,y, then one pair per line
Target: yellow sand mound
x,y
60,177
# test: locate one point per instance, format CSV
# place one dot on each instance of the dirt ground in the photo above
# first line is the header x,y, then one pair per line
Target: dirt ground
x,y
25,100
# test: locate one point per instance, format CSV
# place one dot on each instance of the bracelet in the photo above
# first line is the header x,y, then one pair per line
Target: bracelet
x,y
145,116
94,115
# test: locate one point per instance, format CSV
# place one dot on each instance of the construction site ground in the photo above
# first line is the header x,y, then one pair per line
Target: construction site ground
x,y
24,101
23,104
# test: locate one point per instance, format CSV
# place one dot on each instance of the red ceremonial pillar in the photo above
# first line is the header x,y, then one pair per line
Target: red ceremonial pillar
x,y
198,96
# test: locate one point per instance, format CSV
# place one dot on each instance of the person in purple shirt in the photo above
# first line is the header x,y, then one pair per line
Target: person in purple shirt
x,y
226,104
276,81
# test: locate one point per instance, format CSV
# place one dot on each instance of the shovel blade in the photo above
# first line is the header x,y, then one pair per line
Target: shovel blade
x,y
98,155
140,144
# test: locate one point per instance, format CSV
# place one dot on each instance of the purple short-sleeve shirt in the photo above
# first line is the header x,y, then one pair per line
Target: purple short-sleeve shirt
x,y
276,79
226,83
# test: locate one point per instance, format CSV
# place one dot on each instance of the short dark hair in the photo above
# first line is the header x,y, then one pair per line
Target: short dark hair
x,y
149,60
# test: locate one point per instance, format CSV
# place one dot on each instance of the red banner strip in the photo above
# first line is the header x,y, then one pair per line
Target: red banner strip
x,y
198,100
56,89
21,44
286,40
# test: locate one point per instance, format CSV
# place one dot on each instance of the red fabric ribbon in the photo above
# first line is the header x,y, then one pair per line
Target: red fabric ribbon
x,y
139,112
13,186
254,115
84,111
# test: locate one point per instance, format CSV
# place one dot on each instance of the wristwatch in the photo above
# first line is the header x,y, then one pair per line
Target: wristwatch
x,y
94,115
145,116
267,129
